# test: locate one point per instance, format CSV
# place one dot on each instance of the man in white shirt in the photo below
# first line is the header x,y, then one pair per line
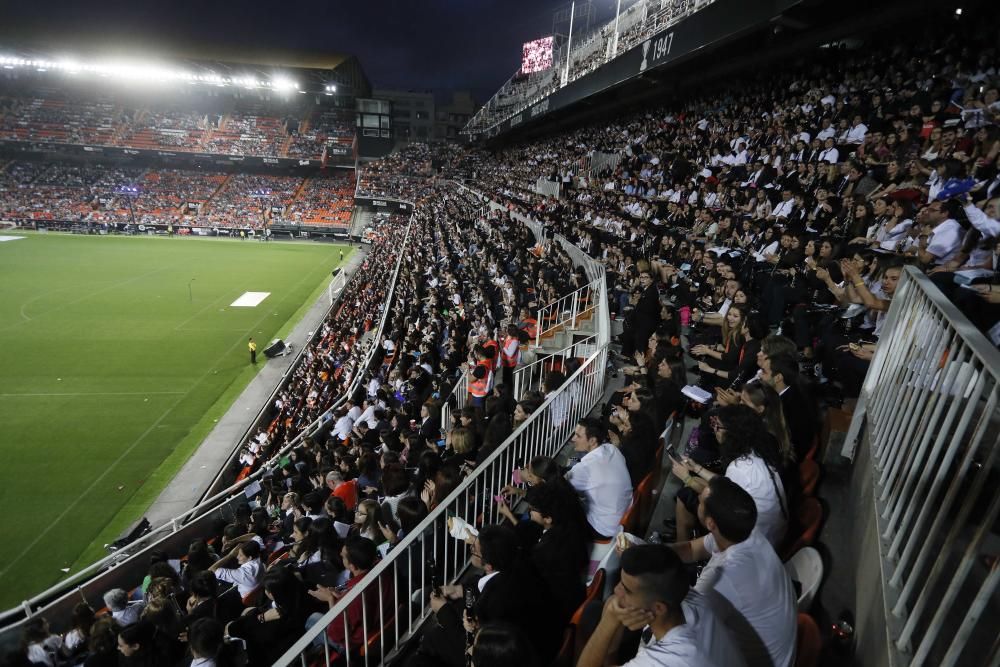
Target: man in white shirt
x,y
828,131
248,574
945,241
744,575
601,477
680,626
829,153
856,134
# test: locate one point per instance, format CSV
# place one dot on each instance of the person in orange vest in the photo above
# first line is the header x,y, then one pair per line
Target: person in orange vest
x,y
480,378
492,349
510,353
528,323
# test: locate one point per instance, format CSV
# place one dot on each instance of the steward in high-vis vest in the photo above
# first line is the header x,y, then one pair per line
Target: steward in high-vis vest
x,y
510,353
480,377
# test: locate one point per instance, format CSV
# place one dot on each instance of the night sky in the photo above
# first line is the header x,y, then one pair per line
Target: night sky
x,y
435,45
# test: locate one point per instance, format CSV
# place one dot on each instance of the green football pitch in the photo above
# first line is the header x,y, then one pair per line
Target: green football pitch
x,y
118,354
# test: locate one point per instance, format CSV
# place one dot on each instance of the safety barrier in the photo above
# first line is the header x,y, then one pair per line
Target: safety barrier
x,y
928,411
531,377
391,600
567,312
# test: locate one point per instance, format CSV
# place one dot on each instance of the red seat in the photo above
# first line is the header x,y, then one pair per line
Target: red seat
x,y
808,642
803,528
630,520
808,477
645,496
253,597
595,592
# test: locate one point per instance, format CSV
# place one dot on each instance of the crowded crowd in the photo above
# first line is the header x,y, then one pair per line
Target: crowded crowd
x,y
753,241
105,195
247,130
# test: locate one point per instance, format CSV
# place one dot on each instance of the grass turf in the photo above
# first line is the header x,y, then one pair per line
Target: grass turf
x,y
112,375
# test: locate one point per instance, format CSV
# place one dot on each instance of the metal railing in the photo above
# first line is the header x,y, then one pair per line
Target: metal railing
x,y
392,598
547,188
530,377
566,313
461,395
928,407
188,523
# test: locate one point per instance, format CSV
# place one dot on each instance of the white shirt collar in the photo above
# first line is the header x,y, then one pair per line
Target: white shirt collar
x,y
485,578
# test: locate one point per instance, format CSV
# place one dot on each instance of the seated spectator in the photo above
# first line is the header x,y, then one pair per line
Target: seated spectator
x,y
103,645
124,612
501,645
509,591
751,459
601,477
679,626
359,556
240,567
744,575
275,624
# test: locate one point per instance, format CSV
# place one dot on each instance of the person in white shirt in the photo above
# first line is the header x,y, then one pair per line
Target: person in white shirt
x,y
856,134
828,131
249,572
680,627
601,477
124,612
744,576
752,460
829,153
344,425
945,241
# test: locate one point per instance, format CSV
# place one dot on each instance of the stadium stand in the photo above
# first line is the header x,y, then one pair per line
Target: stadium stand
x,y
720,222
98,194
324,200
247,130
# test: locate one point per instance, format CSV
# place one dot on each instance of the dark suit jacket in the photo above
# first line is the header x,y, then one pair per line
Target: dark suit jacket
x,y
801,419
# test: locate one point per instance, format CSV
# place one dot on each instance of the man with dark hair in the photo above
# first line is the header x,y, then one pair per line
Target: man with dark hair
x,y
247,575
510,591
205,641
679,626
601,477
782,374
359,555
744,576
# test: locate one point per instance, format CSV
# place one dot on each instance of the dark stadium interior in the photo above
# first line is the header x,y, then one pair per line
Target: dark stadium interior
x,y
685,354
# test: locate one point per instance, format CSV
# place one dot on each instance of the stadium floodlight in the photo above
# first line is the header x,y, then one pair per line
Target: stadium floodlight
x,y
283,84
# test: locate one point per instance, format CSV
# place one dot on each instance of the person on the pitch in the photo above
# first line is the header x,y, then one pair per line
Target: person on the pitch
x,y
253,351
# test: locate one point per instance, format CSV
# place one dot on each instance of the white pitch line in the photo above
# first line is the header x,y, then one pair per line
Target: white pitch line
x,y
101,393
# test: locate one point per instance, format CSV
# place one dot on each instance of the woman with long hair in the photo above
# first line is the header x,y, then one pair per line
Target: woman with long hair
x,y
718,361
751,458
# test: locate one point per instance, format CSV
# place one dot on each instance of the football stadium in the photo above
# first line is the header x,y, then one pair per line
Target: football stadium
x,y
569,333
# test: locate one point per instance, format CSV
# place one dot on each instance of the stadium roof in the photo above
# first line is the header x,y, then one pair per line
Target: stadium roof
x,y
223,58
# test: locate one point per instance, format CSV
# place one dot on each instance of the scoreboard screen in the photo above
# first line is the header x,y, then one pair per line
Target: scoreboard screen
x,y
537,55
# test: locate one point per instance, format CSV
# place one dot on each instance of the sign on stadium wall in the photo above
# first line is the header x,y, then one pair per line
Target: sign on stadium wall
x,y
48,148
718,22
384,204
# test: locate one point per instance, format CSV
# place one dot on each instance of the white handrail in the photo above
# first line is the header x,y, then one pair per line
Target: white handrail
x,y
928,407
530,377
429,541
565,312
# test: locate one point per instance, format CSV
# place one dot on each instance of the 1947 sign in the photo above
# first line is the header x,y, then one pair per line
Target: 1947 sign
x,y
655,50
